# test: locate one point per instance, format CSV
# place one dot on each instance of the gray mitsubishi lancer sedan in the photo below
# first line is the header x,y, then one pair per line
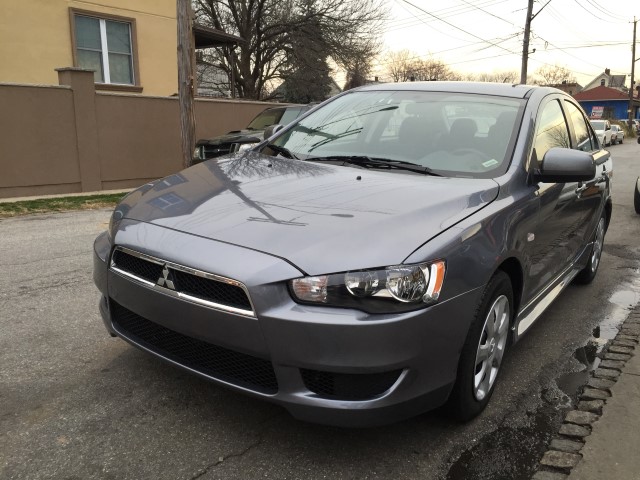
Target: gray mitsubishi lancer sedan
x,y
372,260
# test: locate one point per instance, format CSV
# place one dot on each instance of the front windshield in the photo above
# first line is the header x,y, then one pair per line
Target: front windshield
x,y
597,125
453,134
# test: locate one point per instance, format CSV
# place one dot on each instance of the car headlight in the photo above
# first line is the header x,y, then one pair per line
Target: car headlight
x,y
245,146
397,288
114,222
198,153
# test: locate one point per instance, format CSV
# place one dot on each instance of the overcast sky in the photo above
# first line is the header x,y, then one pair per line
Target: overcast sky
x,y
475,36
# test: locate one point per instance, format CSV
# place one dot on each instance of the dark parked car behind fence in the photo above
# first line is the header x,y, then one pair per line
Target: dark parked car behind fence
x,y
239,140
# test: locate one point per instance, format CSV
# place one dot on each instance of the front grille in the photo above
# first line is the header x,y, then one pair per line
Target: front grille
x,y
212,152
348,386
221,293
212,360
212,290
137,266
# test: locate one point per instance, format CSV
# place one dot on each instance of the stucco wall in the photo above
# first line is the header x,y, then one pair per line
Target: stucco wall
x,y
35,38
38,151
64,139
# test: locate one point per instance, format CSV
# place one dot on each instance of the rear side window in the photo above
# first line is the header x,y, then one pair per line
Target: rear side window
x,y
584,141
552,131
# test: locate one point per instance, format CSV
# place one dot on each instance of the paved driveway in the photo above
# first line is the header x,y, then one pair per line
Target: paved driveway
x,y
75,403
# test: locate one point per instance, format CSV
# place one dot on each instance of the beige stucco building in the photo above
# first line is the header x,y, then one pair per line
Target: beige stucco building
x,y
130,44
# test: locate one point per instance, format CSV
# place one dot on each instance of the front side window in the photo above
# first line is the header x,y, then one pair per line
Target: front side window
x,y
584,140
552,131
105,46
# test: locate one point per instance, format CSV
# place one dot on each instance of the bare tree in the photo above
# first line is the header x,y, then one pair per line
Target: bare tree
x,y
405,65
554,75
272,30
432,69
399,65
507,76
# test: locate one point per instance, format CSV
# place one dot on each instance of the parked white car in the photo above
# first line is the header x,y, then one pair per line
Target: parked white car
x,y
617,134
603,131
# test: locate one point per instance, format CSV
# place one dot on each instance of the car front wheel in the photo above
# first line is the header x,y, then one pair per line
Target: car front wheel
x,y
636,196
483,350
588,273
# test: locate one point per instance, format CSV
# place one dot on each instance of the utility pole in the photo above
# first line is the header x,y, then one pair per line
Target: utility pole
x,y
633,69
186,54
525,44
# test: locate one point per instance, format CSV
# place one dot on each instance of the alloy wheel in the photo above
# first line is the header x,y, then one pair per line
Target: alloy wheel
x,y
491,347
597,246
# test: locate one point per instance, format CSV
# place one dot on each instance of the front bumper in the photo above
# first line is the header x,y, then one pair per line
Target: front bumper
x,y
330,365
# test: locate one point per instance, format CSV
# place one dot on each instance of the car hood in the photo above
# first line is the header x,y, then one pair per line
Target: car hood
x,y
237,136
320,217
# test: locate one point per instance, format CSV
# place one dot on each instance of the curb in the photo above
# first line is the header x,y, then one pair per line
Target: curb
x,y
64,195
563,453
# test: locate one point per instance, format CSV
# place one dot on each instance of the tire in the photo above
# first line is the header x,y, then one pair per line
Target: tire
x,y
476,376
588,273
636,196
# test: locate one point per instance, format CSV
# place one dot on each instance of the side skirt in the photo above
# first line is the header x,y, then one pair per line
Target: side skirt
x,y
532,311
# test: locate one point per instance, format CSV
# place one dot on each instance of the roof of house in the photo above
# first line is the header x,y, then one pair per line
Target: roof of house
x,y
207,37
614,81
617,80
601,93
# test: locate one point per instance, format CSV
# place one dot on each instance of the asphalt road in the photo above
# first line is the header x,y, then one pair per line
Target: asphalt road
x,y
77,404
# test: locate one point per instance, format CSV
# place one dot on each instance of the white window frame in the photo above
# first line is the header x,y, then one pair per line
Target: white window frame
x,y
104,46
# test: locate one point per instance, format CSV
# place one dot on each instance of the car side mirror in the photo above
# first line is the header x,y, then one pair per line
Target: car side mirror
x,y
566,165
271,130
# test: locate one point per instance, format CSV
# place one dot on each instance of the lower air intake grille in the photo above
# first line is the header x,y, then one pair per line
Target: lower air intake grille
x,y
348,386
217,362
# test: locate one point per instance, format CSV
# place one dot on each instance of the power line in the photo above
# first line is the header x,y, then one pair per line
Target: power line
x,y
458,28
602,10
488,13
444,13
593,14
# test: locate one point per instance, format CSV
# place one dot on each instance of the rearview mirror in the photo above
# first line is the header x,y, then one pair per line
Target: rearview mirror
x,y
566,165
271,130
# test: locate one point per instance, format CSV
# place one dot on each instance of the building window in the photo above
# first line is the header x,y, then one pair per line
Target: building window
x,y
105,45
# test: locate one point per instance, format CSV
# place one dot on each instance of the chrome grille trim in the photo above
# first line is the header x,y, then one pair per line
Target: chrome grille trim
x,y
175,293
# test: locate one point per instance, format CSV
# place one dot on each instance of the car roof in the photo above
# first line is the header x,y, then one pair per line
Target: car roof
x,y
483,88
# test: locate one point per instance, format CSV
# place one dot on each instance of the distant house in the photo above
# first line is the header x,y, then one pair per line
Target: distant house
x,y
131,46
605,79
568,87
606,102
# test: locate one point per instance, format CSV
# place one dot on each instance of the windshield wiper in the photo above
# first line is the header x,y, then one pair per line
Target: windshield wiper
x,y
285,152
378,163
335,137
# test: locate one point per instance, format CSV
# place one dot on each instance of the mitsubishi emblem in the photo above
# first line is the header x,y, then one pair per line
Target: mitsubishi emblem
x,y
166,280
